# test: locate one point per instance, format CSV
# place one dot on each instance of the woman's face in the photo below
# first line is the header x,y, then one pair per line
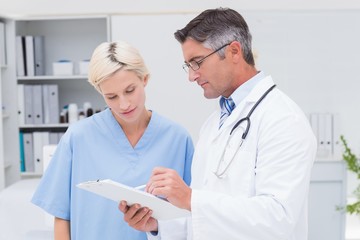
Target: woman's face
x,y
124,94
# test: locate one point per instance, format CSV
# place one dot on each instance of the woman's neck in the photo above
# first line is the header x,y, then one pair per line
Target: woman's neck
x,y
135,130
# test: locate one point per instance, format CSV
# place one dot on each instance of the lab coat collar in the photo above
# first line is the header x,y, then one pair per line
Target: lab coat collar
x,y
243,107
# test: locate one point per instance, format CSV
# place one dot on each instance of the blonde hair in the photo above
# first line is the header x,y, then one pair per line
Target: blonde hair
x,y
110,57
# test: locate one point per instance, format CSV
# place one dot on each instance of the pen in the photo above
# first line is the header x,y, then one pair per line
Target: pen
x,y
140,187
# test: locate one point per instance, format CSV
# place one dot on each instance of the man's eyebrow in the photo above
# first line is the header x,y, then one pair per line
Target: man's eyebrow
x,y
193,59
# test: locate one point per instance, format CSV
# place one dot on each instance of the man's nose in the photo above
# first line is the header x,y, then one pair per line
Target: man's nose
x,y
193,75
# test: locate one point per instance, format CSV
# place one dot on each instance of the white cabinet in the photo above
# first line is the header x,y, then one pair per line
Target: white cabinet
x,y
9,142
64,38
327,194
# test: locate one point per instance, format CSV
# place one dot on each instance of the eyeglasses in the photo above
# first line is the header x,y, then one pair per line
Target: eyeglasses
x,y
195,65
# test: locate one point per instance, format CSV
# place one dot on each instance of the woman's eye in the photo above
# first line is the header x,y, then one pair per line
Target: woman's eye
x,y
112,97
130,90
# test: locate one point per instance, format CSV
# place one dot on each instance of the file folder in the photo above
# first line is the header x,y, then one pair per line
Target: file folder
x,y
162,209
40,140
39,58
2,45
336,126
28,104
38,163
37,104
28,152
53,103
21,104
20,56
29,48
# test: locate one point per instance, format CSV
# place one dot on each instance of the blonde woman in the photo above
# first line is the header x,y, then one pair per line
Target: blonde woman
x,y
123,143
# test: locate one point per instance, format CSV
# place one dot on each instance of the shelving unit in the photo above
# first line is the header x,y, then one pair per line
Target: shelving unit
x,y
70,38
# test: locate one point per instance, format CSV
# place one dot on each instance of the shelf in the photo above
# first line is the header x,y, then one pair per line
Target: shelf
x,y
3,66
45,126
73,38
31,174
52,78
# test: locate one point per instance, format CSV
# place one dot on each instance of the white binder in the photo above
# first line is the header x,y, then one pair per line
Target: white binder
x,y
162,209
37,104
337,145
2,45
39,58
30,61
21,104
53,138
54,112
38,163
28,104
20,56
40,140
328,135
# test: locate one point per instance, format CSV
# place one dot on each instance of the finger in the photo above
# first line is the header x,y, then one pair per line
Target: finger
x,y
159,170
123,206
145,219
161,192
138,218
128,216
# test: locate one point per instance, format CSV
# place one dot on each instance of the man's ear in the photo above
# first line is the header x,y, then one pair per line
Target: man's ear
x,y
235,51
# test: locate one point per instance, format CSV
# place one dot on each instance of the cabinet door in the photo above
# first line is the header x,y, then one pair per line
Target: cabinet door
x,y
327,194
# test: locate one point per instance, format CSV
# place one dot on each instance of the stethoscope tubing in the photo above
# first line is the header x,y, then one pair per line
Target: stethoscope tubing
x,y
250,112
247,119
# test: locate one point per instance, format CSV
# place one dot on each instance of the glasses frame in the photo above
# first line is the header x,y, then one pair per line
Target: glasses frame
x,y
195,65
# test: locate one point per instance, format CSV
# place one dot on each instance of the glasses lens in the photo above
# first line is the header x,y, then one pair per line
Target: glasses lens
x,y
186,67
194,65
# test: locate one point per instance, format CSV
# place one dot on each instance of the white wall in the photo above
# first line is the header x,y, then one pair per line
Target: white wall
x,y
22,8
312,56
310,47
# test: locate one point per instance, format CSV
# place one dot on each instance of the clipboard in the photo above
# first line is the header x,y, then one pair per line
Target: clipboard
x,y
162,209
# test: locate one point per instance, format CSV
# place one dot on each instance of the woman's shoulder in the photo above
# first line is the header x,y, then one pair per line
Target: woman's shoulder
x,y
167,124
89,124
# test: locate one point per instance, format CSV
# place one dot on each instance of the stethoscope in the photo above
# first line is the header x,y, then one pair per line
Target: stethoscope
x,y
221,174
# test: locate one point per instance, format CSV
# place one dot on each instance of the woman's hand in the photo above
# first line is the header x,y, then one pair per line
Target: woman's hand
x,y
138,217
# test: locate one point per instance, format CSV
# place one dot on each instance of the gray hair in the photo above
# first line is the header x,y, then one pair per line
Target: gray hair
x,y
217,27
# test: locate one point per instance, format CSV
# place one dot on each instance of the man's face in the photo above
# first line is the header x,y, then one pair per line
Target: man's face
x,y
214,74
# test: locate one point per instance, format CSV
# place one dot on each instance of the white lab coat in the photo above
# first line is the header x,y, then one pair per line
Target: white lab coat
x,y
264,194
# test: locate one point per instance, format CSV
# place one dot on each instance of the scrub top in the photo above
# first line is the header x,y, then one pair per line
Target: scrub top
x,y
97,148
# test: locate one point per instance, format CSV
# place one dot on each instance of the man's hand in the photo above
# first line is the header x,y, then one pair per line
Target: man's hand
x,y
167,183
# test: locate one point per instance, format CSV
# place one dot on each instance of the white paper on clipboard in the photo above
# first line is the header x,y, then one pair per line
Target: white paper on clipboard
x,y
162,210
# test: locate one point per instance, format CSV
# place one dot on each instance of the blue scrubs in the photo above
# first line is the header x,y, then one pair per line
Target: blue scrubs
x,y
97,148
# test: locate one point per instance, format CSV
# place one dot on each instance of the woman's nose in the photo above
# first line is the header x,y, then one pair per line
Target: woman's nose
x,y
124,103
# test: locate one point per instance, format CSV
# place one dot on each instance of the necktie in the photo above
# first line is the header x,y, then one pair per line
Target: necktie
x,y
227,105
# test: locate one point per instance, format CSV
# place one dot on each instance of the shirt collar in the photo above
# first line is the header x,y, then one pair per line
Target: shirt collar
x,y
244,89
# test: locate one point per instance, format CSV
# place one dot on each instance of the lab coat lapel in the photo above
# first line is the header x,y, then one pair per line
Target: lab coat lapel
x,y
243,108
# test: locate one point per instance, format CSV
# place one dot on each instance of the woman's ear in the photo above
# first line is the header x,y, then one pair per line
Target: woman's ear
x,y
146,80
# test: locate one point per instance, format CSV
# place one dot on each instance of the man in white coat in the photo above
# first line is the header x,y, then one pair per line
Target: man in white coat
x,y
252,163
